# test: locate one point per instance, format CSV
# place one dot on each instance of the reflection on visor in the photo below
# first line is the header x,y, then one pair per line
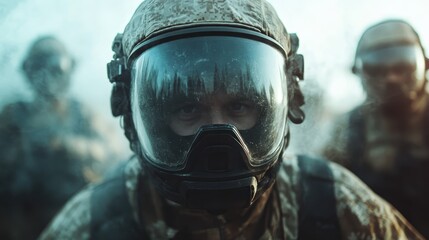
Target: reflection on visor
x,y
401,61
180,86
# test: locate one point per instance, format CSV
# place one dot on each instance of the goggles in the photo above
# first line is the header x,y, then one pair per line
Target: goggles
x,y
402,61
54,63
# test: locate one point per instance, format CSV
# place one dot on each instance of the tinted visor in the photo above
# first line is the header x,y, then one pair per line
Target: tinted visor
x,y
182,85
400,60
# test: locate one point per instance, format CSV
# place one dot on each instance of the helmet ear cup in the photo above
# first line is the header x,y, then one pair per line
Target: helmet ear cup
x,y
119,99
120,105
119,75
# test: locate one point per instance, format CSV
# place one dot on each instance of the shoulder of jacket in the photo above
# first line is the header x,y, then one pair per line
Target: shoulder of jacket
x,y
345,183
73,221
353,194
345,178
363,214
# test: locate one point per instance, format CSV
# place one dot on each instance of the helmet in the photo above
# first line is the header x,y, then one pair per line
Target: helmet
x,y
391,62
48,67
203,89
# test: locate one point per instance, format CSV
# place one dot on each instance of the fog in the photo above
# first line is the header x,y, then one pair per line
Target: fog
x,y
328,32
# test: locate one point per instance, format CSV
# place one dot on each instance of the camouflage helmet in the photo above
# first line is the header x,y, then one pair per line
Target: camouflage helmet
x,y
148,20
391,32
250,167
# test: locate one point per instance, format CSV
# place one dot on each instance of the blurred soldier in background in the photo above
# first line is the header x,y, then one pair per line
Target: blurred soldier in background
x,y
50,147
206,90
385,141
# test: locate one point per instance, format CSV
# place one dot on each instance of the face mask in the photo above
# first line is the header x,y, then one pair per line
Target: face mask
x,y
210,114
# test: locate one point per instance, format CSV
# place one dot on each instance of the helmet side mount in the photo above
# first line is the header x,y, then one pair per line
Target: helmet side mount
x,y
119,75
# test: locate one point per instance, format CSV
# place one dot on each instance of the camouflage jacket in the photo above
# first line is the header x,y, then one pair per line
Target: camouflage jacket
x,y
361,213
390,155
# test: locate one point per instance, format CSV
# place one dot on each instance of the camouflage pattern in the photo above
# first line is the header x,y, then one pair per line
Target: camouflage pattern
x,y
394,160
149,19
361,213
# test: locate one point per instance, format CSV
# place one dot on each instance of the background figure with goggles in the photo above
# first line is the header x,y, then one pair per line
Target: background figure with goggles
x,y
385,141
50,146
206,90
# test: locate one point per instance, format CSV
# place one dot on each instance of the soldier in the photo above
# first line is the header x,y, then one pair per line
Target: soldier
x,y
204,89
385,141
50,147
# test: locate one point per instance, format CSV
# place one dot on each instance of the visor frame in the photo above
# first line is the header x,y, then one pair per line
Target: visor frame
x,y
201,31
217,31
